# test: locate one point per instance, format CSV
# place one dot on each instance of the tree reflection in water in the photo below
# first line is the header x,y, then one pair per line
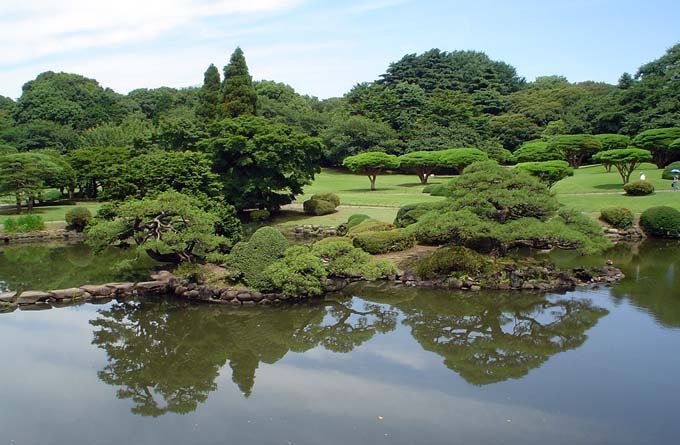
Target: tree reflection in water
x,y
166,356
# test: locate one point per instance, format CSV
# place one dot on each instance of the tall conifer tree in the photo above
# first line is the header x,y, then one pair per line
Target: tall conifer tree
x,y
211,94
238,93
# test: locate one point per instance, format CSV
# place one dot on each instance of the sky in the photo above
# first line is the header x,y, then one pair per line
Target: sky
x,y
322,48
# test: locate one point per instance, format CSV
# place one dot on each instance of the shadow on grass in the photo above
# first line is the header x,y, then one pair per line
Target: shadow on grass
x,y
416,184
609,187
368,190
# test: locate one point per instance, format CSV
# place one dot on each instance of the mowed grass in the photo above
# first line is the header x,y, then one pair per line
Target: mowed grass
x,y
51,214
393,190
592,189
289,219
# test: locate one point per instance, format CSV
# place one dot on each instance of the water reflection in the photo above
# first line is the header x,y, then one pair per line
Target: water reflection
x,y
491,337
166,356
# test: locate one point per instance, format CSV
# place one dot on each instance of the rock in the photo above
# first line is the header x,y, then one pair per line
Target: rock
x,y
73,292
235,302
122,288
192,294
527,285
475,288
32,297
244,296
152,287
256,296
504,286
8,297
163,275
97,290
455,283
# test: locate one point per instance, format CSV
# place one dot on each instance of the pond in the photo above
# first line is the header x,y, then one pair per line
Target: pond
x,y
374,364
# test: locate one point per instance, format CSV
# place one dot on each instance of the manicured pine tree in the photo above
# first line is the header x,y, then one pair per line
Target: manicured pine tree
x,y
238,93
210,96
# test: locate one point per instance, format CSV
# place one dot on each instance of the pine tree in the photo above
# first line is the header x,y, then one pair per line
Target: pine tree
x,y
238,93
210,95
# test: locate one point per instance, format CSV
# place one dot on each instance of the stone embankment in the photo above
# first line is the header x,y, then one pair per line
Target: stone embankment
x,y
42,236
314,231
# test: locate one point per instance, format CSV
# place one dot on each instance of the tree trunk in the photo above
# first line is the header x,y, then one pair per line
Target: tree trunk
x,y
71,192
18,201
372,179
31,203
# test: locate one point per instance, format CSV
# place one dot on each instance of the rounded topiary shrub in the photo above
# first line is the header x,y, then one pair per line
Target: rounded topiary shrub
x,y
667,174
318,207
259,215
356,219
618,217
386,241
250,258
639,188
77,218
330,197
661,222
447,260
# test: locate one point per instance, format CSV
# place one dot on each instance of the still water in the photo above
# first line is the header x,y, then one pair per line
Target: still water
x,y
372,365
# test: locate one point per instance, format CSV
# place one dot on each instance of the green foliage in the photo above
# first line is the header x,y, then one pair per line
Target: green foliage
x,y
667,174
550,172
96,167
617,217
210,96
259,215
574,148
356,219
133,131
513,129
459,158
170,227
369,225
261,164
341,259
639,188
24,223
410,213
318,207
78,218
658,141
422,163
330,197
435,189
298,274
250,258
238,93
371,164
445,260
23,175
613,141
535,151
351,135
626,160
384,241
661,222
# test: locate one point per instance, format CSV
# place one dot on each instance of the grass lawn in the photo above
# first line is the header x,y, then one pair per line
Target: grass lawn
x,y
392,190
52,213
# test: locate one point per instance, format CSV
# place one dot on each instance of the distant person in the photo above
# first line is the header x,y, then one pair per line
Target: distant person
x,y
642,176
674,184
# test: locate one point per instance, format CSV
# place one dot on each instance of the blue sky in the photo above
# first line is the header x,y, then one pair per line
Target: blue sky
x,y
319,47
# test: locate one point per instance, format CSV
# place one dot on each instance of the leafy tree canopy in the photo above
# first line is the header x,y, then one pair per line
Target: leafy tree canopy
x,y
238,93
371,164
550,172
626,160
658,141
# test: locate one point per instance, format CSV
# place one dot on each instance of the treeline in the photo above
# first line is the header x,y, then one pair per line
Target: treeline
x,y
261,142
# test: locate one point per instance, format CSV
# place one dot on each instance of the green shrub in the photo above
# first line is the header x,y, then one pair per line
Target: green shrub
x,y
107,212
410,213
334,239
661,222
342,259
50,195
318,207
298,274
259,215
667,171
379,269
24,223
617,217
385,241
435,189
446,260
330,197
251,258
77,218
369,225
355,219
639,188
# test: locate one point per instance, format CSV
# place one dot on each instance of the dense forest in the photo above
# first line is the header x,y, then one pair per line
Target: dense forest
x,y
257,143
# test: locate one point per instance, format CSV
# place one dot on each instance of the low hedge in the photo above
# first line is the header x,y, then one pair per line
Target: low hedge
x,y
356,219
618,217
318,207
667,171
393,240
639,188
330,197
661,222
24,223
77,218
447,260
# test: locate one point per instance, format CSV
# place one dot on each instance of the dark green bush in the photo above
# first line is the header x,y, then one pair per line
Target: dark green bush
x,y
385,241
334,239
259,215
435,189
77,218
342,259
107,211
617,217
356,219
639,188
24,223
251,258
667,171
661,222
298,274
446,260
318,207
330,197
369,225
